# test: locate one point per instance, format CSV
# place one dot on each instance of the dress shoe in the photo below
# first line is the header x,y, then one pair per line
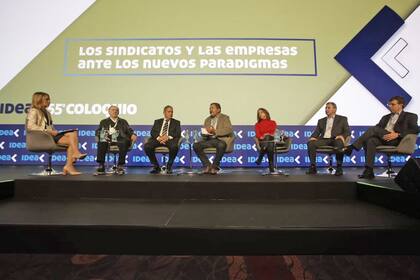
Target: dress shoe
x,y
338,171
312,170
70,171
120,170
100,170
367,174
155,170
169,170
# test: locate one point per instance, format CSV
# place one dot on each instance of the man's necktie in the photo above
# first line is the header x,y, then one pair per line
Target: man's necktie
x,y
165,128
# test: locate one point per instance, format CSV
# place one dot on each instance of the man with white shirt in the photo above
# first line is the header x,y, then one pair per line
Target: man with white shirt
x,y
330,131
165,132
389,131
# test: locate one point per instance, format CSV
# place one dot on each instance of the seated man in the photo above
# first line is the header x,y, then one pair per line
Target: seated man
x,y
165,132
389,131
330,131
114,130
216,132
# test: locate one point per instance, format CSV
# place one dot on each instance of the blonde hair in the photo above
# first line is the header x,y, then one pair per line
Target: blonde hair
x,y
38,99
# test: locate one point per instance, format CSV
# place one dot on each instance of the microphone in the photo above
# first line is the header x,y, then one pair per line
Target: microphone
x,y
187,136
277,136
195,137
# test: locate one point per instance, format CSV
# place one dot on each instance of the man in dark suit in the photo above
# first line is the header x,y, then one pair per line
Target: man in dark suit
x,y
330,131
389,131
165,132
114,130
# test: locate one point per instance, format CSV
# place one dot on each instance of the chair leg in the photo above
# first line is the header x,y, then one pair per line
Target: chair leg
x,y
114,166
190,170
275,159
113,169
106,162
163,168
49,169
115,162
330,164
389,172
389,169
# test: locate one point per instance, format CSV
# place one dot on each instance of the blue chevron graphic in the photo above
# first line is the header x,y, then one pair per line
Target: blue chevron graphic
x,y
356,56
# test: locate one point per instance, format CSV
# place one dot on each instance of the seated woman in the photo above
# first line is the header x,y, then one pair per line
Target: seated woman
x,y
39,119
264,130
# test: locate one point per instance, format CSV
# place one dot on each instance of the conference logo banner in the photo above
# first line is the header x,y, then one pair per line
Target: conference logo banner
x,y
187,56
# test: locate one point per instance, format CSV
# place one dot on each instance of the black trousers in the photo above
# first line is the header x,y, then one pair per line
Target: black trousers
x,y
370,140
150,146
313,145
267,147
103,148
220,146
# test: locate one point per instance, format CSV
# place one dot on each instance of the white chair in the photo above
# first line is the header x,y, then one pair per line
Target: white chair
x,y
43,142
406,147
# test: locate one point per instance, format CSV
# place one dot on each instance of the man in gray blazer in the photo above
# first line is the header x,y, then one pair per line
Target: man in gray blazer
x,y
330,131
218,132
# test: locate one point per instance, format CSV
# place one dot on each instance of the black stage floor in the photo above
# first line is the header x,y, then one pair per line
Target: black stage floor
x,y
240,212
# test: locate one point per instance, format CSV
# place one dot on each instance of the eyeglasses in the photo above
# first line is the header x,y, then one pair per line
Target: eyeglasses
x,y
392,104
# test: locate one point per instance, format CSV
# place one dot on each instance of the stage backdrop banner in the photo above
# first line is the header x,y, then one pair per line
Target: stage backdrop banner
x,y
288,57
244,155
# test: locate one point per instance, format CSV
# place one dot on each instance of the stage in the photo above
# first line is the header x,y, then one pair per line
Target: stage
x,y
239,212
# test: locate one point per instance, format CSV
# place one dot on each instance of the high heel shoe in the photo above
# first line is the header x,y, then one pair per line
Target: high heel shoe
x,y
80,156
67,171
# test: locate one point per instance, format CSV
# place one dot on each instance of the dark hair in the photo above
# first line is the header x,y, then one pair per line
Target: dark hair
x,y
399,99
332,104
166,107
265,112
217,105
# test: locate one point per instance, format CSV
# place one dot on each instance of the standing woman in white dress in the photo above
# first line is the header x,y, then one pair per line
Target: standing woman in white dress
x,y
39,119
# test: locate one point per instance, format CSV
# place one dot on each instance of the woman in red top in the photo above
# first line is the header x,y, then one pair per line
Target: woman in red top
x,y
265,129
